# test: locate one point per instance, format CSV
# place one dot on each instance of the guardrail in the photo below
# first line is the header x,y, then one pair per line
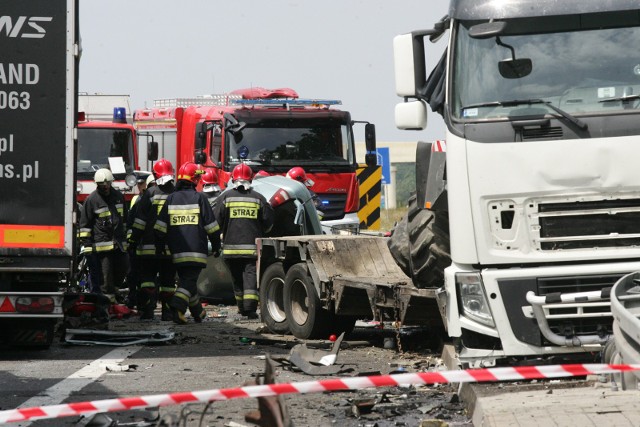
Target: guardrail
x,y
625,346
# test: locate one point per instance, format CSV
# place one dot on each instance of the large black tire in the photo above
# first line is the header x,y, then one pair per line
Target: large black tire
x,y
305,314
419,243
272,299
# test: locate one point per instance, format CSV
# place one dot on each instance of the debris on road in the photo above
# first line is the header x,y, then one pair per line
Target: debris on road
x,y
113,338
272,410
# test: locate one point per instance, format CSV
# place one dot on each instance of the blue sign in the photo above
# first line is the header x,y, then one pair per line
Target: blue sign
x,y
384,161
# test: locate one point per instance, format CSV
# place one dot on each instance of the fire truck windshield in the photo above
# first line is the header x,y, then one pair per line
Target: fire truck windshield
x,y
96,145
293,143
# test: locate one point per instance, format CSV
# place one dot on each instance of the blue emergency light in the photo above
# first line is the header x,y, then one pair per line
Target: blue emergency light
x,y
243,152
119,115
287,101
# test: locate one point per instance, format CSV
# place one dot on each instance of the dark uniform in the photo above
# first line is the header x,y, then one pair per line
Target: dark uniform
x,y
157,274
102,233
185,222
133,276
244,215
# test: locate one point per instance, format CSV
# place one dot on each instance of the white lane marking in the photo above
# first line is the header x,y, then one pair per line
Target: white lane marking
x,y
75,382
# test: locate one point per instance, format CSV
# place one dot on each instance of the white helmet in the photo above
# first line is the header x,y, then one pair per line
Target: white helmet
x,y
103,175
150,180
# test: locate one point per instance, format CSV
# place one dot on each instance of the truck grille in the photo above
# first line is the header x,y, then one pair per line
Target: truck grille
x,y
579,320
333,205
571,320
589,224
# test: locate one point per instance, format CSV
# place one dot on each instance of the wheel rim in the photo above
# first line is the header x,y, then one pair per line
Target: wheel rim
x,y
299,302
275,300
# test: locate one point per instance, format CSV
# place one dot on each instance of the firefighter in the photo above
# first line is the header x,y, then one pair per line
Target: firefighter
x,y
102,232
298,174
185,223
244,215
133,277
157,274
210,186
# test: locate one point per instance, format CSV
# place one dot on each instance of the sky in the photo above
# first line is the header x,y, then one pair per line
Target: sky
x,y
331,49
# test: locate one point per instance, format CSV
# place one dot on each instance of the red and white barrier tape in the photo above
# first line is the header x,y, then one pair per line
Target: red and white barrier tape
x,y
351,383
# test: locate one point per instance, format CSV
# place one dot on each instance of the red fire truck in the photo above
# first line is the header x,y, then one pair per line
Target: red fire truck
x,y
272,130
112,145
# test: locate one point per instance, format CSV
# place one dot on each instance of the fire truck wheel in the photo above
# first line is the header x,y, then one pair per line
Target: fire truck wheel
x,y
420,245
307,319
272,300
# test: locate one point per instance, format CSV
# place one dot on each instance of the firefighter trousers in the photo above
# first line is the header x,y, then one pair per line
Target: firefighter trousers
x,y
114,266
157,283
186,296
245,284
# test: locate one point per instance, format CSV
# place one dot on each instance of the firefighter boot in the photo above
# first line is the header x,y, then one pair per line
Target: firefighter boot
x,y
198,313
178,316
166,294
147,301
167,316
179,304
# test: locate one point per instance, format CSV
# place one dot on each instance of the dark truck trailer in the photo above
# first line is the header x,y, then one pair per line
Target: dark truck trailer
x,y
317,285
39,48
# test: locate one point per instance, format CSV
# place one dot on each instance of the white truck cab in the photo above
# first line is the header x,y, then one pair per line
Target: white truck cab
x,y
540,179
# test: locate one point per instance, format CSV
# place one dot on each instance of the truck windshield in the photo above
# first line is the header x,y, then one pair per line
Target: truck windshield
x,y
585,65
96,145
293,143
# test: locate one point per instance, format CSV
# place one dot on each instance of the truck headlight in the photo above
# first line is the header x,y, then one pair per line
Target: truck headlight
x,y
473,298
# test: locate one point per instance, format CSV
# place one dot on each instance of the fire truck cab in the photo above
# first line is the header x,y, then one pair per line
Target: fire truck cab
x,y
272,130
103,144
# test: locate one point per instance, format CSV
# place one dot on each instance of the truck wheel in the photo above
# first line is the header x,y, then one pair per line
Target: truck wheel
x,y
307,319
272,299
420,245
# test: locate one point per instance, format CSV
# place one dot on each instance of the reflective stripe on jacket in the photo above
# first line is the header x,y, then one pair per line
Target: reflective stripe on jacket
x,y
186,222
147,210
244,216
102,223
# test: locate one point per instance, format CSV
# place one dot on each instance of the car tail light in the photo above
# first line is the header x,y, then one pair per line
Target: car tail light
x,y
279,198
35,305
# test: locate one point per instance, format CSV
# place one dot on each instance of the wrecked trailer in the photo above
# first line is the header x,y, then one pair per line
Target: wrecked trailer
x,y
318,285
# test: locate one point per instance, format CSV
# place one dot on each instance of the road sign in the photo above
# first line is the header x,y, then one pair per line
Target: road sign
x,y
384,161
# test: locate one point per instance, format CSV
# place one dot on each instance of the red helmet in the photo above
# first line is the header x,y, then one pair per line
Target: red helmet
x,y
209,177
163,171
242,172
190,172
298,174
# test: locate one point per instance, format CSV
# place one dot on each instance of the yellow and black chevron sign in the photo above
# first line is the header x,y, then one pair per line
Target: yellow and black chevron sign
x,y
370,182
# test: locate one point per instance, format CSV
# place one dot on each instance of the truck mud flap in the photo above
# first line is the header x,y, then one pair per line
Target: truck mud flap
x,y
113,338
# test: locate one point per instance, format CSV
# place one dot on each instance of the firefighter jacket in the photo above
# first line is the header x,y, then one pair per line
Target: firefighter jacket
x,y
244,216
184,223
102,223
146,212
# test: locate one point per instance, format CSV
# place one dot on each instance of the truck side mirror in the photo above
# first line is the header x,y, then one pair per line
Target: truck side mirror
x,y
371,159
152,150
201,137
200,157
370,136
409,64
